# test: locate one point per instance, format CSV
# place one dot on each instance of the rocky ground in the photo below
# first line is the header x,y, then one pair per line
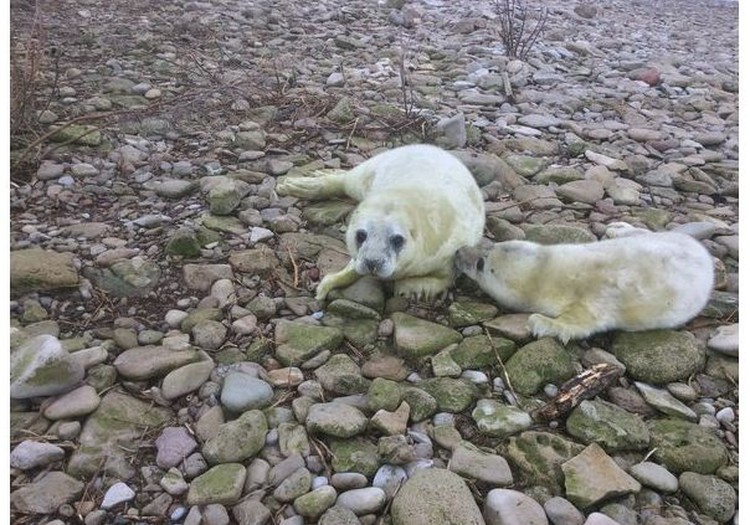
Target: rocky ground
x,y
170,364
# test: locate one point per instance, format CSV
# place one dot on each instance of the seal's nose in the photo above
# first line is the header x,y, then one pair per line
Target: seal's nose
x,y
372,265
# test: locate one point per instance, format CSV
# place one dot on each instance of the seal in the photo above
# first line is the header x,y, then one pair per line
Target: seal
x,y
418,204
637,280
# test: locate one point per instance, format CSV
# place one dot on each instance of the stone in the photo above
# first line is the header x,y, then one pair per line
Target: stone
x,y
242,392
113,430
659,356
586,191
713,496
433,496
341,375
557,234
39,270
237,440
293,486
663,401
511,507
173,445
612,427
497,420
339,516
76,403
452,131
186,379
593,476
414,337
468,461
335,419
486,168
562,512
201,276
46,494
452,395
117,494
220,484
538,363
683,446
369,500
144,362
31,454
654,476
256,261
315,503
354,455
538,456
725,339
41,367
298,342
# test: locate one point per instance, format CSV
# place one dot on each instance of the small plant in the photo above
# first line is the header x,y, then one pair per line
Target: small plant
x,y
517,36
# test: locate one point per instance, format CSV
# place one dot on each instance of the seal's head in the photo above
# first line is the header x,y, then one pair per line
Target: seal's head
x,y
471,260
377,244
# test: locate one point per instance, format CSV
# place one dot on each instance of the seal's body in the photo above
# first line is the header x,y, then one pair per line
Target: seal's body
x,y
417,206
638,282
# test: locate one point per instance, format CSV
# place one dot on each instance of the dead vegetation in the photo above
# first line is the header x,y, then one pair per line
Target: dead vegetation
x,y
518,31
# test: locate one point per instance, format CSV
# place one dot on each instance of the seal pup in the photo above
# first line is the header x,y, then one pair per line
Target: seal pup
x,y
417,205
633,282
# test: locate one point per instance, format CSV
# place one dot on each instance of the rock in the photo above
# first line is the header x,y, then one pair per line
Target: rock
x,y
46,494
339,516
298,342
79,402
85,135
469,461
683,446
562,512
31,454
538,363
608,425
433,496
221,484
369,500
184,243
486,168
237,440
38,270
714,497
224,197
41,367
557,234
414,337
452,131
496,420
242,392
175,188
510,507
649,75
316,502
663,401
144,362
593,476
261,260
335,419
655,476
658,356
452,395
201,276
294,485
114,428
354,455
186,379
341,375
725,339
173,445
538,456
117,494
391,423
586,191
389,478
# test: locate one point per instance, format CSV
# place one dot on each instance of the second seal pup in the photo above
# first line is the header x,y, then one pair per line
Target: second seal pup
x,y
417,205
637,282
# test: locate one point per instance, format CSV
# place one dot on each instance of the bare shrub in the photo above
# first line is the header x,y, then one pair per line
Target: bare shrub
x,y
516,30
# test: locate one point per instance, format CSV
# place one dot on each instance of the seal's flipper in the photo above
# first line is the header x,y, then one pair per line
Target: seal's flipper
x,y
427,287
339,279
574,323
323,184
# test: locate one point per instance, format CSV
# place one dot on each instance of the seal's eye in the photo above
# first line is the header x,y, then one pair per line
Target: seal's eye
x,y
480,265
360,237
397,241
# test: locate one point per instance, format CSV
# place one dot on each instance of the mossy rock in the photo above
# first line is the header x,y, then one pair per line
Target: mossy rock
x,y
557,234
479,352
682,446
354,455
467,313
537,364
298,342
608,425
659,356
538,456
452,395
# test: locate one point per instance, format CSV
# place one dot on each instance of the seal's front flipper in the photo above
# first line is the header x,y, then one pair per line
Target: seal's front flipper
x,y
427,287
574,323
322,185
339,279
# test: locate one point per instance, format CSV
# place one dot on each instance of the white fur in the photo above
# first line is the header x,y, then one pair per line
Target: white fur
x,y
636,282
420,193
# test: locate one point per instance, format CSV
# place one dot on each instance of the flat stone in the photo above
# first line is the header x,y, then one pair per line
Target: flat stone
x,y
237,440
243,392
469,461
144,362
38,270
655,476
220,484
41,367
664,402
714,496
335,419
31,454
173,445
414,337
46,494
511,507
186,379
79,402
117,494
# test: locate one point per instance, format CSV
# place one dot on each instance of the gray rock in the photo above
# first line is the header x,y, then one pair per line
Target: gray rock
x,y
298,342
593,476
433,496
144,362
655,476
237,440
38,270
683,446
510,507
369,500
186,379
538,456
452,395
201,276
251,512
173,445
538,363
335,419
557,234
389,478
31,454
725,339
117,494
114,429
175,188
658,356
316,502
341,375
469,461
714,497
586,191
79,402
597,518
221,484
562,512
486,168
46,494
452,131
663,401
610,426
339,516
354,455
41,367
414,337
497,420
293,486
226,196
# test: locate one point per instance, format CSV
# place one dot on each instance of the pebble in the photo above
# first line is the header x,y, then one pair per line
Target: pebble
x,y
117,494
242,392
510,507
31,454
362,501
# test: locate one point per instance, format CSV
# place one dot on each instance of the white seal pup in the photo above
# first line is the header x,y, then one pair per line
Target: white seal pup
x,y
417,205
635,282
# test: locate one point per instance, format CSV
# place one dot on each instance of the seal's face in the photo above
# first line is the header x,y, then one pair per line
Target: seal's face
x,y
377,245
471,261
